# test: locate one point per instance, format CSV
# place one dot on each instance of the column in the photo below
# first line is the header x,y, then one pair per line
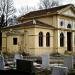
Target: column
x,y
65,40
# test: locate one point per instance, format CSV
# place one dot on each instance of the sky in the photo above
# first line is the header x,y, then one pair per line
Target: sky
x,y
20,3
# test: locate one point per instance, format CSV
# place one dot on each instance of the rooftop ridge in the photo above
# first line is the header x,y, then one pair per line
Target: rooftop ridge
x,y
44,11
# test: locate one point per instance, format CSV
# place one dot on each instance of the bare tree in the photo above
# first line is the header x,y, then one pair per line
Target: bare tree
x,y
7,9
24,10
12,20
45,4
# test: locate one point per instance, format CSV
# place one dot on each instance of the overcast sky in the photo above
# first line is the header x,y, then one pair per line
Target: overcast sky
x,y
20,3
34,3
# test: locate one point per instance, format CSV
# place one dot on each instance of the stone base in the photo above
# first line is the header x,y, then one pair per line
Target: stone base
x,y
69,52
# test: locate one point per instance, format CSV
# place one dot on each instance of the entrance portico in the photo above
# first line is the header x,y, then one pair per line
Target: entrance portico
x,y
69,41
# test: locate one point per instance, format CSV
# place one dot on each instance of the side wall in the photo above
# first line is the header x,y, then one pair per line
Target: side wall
x,y
25,41
66,20
42,50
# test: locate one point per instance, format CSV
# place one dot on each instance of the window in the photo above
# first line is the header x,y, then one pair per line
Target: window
x,y
40,39
69,26
61,23
61,40
47,39
14,41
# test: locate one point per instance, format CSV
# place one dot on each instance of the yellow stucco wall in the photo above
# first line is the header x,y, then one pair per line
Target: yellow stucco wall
x,y
33,41
67,20
25,41
44,49
47,20
51,20
10,47
29,40
4,44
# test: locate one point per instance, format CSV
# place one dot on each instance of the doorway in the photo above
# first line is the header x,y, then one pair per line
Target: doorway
x,y
69,41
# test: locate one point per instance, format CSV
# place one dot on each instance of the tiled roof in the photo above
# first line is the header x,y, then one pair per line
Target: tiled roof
x,y
30,23
44,11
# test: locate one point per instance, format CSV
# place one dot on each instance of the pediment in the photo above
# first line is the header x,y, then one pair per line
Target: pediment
x,y
69,12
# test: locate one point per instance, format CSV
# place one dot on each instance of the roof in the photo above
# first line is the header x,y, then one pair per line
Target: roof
x,y
44,11
31,23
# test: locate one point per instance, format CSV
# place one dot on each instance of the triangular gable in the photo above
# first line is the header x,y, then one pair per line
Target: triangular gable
x,y
44,12
69,11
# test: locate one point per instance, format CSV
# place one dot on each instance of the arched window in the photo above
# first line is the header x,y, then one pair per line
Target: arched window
x,y
41,39
69,26
61,40
61,23
47,39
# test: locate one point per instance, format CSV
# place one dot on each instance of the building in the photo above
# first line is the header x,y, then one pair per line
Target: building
x,y
43,31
